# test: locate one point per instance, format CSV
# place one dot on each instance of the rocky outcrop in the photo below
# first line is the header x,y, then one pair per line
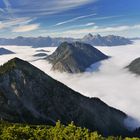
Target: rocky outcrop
x,y
74,57
28,95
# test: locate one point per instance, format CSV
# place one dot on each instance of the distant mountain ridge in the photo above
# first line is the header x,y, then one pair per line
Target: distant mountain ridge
x,y
4,51
98,40
110,40
28,95
74,57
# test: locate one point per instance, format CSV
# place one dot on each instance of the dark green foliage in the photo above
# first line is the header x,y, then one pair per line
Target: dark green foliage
x,y
7,67
43,132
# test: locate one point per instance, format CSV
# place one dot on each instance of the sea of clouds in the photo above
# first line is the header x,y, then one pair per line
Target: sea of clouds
x,y
109,80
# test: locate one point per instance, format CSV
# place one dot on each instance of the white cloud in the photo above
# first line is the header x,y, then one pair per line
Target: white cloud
x,y
74,19
97,29
26,28
14,22
43,7
1,26
18,25
107,17
85,16
1,10
8,7
33,9
90,24
7,4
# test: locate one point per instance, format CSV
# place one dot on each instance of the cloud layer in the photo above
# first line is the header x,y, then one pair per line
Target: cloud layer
x,y
110,82
26,28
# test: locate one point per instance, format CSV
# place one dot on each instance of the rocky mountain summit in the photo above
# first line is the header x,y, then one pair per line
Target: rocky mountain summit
x,y
28,95
74,57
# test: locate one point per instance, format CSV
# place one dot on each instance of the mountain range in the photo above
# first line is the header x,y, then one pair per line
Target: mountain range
x,y
110,40
97,40
74,57
28,95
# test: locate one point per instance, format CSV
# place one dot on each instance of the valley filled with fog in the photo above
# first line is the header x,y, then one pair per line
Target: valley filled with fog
x,y
109,80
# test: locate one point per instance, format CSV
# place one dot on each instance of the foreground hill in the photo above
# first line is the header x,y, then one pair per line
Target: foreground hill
x,y
28,95
134,66
98,40
74,57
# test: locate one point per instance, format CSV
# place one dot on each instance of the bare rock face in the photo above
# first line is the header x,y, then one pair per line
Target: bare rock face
x,y
28,95
74,57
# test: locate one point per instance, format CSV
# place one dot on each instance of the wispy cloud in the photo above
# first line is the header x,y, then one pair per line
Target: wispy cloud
x,y
15,11
14,22
74,19
83,25
98,29
68,28
43,7
108,17
18,25
90,24
7,4
1,26
26,28
86,16
1,10
8,8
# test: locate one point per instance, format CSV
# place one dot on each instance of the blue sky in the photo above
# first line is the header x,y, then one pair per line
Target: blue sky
x,y
69,18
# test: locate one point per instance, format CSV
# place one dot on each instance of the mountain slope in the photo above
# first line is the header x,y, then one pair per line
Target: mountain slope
x,y
74,57
29,95
134,66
